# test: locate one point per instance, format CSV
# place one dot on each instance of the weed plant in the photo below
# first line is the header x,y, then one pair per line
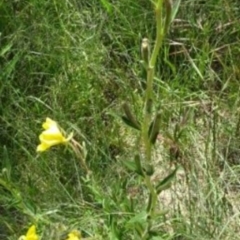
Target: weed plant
x,y
80,63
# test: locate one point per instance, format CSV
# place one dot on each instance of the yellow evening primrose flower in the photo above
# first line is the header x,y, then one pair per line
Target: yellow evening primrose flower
x,y
74,235
31,234
51,136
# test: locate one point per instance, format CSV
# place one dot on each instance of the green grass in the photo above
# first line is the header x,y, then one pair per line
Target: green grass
x,y
77,63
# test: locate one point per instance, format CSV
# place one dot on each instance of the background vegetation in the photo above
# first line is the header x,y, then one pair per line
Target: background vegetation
x,y
76,62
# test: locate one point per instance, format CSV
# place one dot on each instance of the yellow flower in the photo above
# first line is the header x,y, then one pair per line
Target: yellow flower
x,y
74,235
51,136
31,234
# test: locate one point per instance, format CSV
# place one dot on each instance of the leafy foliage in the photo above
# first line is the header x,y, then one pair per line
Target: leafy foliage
x,y
76,62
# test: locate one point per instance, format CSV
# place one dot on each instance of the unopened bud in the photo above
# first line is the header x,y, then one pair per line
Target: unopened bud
x,y
145,51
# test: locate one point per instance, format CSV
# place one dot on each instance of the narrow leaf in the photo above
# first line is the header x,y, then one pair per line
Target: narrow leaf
x,y
168,18
129,119
149,206
154,129
134,166
130,165
138,165
140,218
5,49
175,8
166,182
130,123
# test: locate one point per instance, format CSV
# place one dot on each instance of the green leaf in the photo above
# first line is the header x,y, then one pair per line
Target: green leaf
x,y
134,166
10,66
154,129
175,8
130,123
149,206
166,182
5,49
139,169
114,229
129,165
129,118
140,218
106,4
168,18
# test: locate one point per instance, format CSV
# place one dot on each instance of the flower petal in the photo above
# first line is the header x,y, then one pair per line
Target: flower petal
x,y
51,136
74,235
52,139
42,147
31,230
49,123
31,233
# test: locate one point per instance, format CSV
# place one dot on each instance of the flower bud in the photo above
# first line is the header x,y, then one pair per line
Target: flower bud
x,y
145,51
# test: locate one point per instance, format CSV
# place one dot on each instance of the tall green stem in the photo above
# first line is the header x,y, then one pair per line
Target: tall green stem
x,y
148,112
150,77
